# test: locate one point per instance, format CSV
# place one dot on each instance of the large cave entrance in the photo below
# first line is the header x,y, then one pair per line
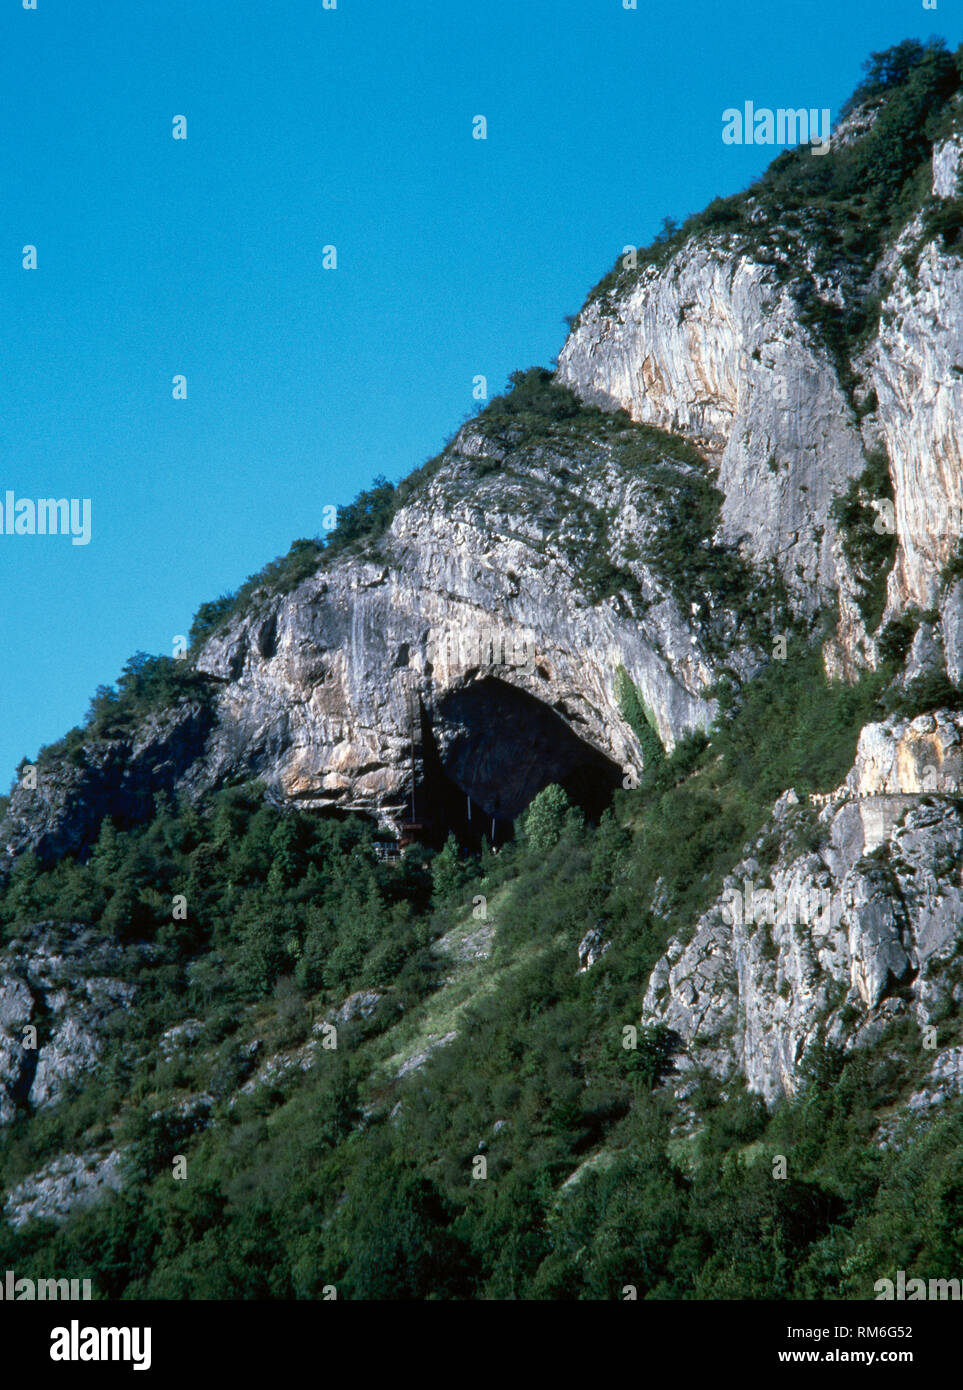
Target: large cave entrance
x,y
488,749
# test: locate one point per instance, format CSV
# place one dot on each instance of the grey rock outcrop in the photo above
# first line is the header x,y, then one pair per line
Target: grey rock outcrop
x,y
591,948
712,346
116,776
54,1005
943,1082
828,942
68,1184
912,365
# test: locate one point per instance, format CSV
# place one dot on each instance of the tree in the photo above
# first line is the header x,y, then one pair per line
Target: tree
x,y
654,1053
398,1230
892,66
667,231
447,873
207,618
611,845
261,957
545,818
287,865
638,718
25,893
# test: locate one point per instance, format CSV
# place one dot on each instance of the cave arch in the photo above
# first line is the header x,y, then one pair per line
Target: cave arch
x,y
489,747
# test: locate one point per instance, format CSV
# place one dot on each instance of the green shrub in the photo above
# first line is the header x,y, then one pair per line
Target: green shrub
x,y
896,638
869,547
545,818
639,719
945,221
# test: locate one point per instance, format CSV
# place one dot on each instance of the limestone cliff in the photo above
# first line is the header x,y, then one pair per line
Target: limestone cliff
x,y
712,345
914,369
850,919
713,342
467,650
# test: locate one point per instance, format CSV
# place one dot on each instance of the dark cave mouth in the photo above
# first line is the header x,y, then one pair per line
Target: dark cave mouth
x,y
487,750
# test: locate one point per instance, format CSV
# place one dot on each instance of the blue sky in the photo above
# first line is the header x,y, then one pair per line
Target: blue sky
x,y
309,127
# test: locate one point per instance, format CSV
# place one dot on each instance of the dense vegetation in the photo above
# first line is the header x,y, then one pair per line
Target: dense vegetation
x,y
639,719
351,1174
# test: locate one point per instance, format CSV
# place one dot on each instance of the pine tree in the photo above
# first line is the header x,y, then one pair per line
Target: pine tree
x,y
447,873
545,818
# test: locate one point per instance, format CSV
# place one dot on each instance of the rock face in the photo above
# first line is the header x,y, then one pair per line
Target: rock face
x,y
70,1183
55,999
832,940
117,777
909,756
591,948
913,368
712,346
472,633
943,1083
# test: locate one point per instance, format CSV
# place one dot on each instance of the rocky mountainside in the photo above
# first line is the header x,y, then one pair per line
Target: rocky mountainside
x,y
486,626
520,574
842,916
746,468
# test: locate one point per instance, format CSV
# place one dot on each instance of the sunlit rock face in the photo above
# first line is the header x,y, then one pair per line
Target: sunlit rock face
x,y
712,346
910,756
56,983
470,644
913,369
